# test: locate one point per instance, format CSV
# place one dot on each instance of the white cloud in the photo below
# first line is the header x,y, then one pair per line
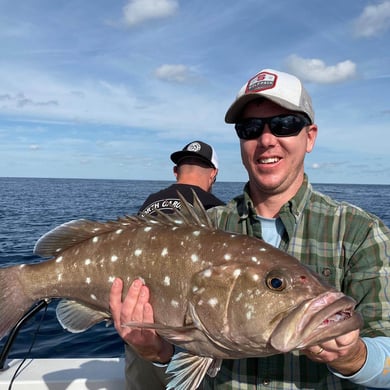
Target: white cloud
x,y
177,73
315,70
374,20
138,11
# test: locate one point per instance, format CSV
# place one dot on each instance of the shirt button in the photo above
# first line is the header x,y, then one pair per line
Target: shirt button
x,y
326,272
266,382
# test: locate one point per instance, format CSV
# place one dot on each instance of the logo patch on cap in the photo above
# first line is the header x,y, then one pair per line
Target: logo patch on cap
x,y
194,147
261,82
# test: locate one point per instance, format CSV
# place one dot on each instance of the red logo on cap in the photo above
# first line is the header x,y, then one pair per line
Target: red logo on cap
x,y
261,82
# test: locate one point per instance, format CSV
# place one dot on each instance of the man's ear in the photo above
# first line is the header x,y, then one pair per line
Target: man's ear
x,y
175,171
214,178
311,137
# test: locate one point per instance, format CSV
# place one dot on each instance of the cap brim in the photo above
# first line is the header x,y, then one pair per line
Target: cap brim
x,y
180,155
235,109
234,112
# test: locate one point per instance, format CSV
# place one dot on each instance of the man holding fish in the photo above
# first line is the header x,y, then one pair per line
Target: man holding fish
x,y
346,246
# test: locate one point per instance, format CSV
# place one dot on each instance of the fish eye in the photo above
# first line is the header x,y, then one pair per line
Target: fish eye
x,y
276,282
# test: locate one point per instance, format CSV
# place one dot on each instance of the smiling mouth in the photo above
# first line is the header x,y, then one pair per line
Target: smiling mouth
x,y
269,160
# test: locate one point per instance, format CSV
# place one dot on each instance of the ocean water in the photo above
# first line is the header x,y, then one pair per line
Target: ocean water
x,y
31,207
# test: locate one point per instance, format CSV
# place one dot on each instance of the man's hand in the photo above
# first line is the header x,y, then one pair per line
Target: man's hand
x,y
136,308
345,354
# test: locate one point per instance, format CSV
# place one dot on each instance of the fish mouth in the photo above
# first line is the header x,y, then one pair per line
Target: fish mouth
x,y
322,318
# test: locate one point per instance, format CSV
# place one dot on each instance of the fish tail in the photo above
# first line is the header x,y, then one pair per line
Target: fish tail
x,y
13,300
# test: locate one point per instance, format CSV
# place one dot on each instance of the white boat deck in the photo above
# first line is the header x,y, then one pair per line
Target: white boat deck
x,y
65,374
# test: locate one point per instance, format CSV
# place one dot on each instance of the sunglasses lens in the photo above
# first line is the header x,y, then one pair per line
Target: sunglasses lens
x,y
280,126
250,129
287,125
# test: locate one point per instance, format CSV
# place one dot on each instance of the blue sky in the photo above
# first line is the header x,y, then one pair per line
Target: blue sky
x,y
108,88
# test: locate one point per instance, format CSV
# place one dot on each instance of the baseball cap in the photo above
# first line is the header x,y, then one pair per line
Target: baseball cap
x,y
282,88
199,150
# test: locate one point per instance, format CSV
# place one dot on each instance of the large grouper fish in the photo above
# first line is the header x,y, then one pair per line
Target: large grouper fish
x,y
216,295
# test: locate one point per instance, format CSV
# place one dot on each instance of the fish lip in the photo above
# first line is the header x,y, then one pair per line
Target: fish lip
x,y
322,318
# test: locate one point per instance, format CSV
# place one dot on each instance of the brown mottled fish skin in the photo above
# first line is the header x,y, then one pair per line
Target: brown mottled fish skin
x,y
214,293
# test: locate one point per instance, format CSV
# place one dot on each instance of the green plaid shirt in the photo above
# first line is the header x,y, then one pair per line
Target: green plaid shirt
x,y
348,247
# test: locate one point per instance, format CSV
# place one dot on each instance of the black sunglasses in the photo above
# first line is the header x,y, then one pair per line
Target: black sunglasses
x,y
286,125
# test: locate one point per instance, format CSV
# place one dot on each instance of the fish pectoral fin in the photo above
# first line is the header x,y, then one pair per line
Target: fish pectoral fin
x,y
187,371
179,334
76,317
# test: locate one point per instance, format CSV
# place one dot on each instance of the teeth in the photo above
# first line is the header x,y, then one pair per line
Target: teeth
x,y
269,160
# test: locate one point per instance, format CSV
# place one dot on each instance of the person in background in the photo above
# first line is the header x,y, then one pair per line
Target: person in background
x,y
348,247
196,169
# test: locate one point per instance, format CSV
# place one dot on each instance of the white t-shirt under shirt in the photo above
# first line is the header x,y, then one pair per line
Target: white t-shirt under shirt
x,y
272,230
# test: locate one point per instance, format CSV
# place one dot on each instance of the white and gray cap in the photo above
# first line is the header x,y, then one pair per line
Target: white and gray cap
x,y
282,88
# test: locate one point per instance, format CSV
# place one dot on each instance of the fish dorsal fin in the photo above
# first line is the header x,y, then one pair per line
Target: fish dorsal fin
x,y
76,317
77,231
189,214
194,214
187,371
70,234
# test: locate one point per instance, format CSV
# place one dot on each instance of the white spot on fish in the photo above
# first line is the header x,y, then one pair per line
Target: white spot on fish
x,y
96,229
213,302
174,303
114,258
194,258
254,259
22,265
207,273
59,259
263,250
239,297
111,279
164,252
227,256
174,228
148,229
255,277
88,280
196,233
195,289
58,250
119,231
87,262
93,296
59,277
237,272
167,281
95,240
138,252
